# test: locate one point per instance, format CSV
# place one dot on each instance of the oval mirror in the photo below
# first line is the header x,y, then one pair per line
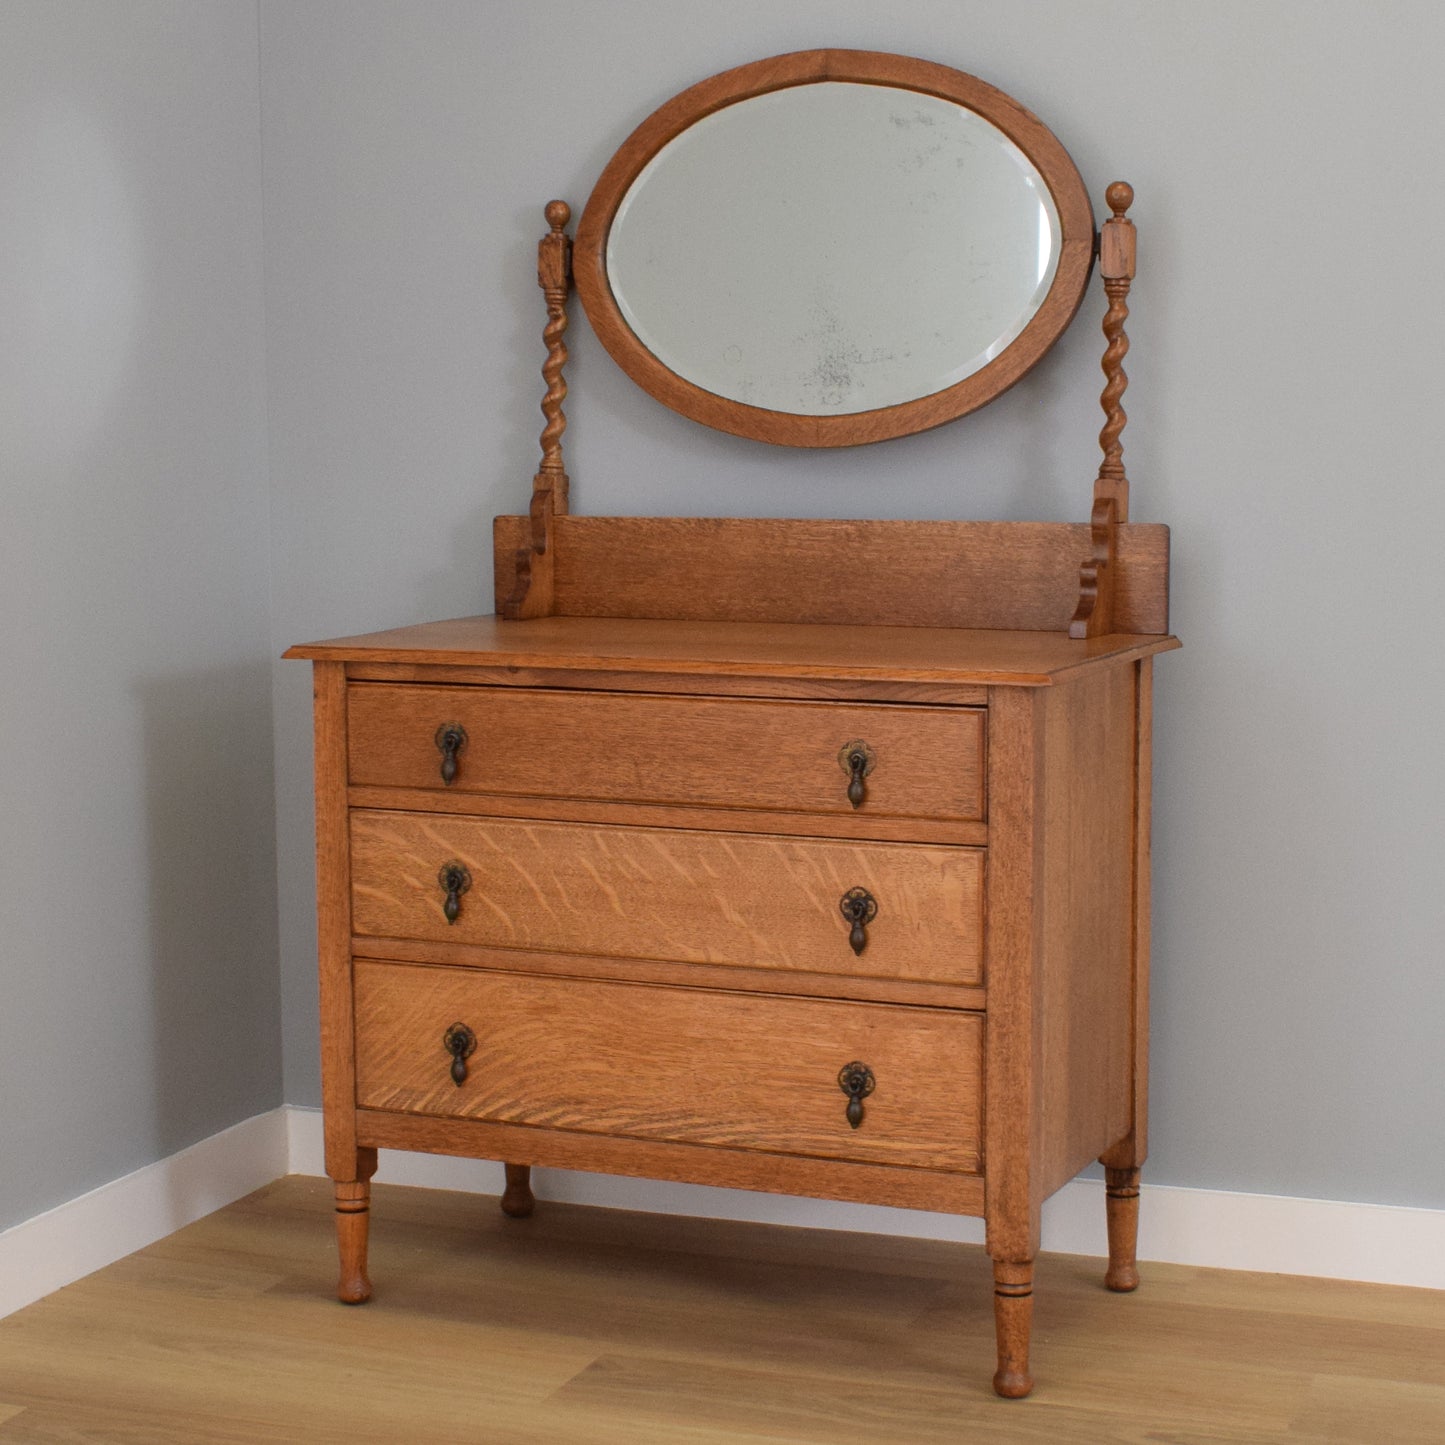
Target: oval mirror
x,y
834,247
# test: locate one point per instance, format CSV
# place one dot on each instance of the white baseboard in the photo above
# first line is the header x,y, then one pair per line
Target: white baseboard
x,y
1378,1243
1270,1233
76,1238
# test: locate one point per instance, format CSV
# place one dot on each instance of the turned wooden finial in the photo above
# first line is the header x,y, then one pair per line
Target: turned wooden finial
x,y
1116,265
1094,616
531,593
554,276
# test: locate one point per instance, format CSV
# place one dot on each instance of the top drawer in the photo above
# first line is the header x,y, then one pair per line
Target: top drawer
x,y
923,762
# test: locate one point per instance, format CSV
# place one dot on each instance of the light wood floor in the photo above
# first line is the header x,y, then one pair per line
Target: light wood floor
x,y
590,1327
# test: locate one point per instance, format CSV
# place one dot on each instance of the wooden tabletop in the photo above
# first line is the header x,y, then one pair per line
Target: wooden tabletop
x,y
764,649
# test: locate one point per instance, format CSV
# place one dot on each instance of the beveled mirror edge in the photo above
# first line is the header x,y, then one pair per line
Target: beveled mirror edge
x,y
1021,126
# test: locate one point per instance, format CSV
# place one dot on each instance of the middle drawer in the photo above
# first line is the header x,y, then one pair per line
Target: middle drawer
x,y
670,894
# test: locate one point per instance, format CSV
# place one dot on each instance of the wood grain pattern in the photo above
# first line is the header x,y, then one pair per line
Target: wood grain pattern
x,y
820,689
669,815
898,1186
1086,892
782,756
1008,576
1066,779
681,975
1071,202
865,654
681,896
685,1065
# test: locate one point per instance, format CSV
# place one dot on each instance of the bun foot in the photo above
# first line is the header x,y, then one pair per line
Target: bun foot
x,y
353,1289
1122,1279
517,1199
1012,1385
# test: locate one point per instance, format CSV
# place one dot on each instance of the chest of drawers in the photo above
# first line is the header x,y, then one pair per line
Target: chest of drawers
x,y
796,855
858,913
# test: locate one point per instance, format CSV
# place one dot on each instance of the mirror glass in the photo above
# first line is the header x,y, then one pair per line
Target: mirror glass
x,y
833,248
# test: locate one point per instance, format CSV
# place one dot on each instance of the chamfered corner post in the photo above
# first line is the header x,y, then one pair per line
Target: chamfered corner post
x,y
348,1164
517,1199
1124,1160
1094,615
1013,1040
532,592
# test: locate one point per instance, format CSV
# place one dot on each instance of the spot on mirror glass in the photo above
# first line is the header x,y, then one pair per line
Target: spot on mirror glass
x,y
833,248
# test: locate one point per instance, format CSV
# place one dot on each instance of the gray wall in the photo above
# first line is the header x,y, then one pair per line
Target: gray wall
x,y
137,867
1285,419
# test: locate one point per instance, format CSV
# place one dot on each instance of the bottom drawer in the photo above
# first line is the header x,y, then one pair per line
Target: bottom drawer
x,y
695,1066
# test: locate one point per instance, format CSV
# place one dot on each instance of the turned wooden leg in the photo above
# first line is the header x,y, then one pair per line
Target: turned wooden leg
x,y
1013,1313
517,1200
353,1218
1121,1195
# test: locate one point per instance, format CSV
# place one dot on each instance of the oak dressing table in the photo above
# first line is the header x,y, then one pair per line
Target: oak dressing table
x,y
805,856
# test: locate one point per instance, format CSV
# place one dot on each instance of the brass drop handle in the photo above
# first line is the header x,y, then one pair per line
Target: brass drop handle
x,y
860,908
857,1081
461,1043
451,738
856,759
453,880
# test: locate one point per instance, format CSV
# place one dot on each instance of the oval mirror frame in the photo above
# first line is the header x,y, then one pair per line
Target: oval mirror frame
x,y
1037,143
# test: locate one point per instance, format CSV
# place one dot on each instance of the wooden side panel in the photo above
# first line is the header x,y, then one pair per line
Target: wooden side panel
x,y
1088,918
782,756
1011,576
687,1065
672,894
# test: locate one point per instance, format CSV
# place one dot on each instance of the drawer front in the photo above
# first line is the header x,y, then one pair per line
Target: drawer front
x,y
676,895
924,762
687,1065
